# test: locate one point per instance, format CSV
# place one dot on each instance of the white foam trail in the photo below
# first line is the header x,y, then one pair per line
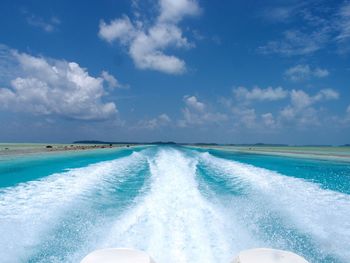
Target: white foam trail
x,y
174,222
28,211
323,214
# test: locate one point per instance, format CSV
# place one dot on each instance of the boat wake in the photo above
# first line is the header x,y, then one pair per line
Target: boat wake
x,y
177,205
173,222
32,211
288,212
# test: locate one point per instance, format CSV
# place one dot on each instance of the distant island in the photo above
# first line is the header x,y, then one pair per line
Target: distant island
x,y
129,143
259,144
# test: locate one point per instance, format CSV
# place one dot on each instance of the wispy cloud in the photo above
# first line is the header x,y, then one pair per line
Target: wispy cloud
x,y
313,27
112,81
48,25
296,42
303,72
280,14
344,23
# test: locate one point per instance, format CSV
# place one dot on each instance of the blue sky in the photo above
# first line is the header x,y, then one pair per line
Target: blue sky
x,y
185,70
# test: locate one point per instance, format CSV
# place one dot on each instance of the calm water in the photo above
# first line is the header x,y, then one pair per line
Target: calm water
x,y
180,205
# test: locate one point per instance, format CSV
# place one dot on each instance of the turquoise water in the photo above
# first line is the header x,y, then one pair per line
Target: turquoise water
x,y
178,204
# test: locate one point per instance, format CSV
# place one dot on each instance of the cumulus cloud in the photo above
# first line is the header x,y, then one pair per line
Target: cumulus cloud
x,y
196,112
244,117
248,117
118,29
320,73
174,11
302,72
242,108
146,43
160,121
192,102
269,120
260,94
55,87
326,94
301,108
301,99
296,109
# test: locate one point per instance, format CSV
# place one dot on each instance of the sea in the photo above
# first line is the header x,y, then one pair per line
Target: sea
x,y
179,204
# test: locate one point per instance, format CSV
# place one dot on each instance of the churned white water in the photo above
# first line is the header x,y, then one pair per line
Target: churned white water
x,y
173,221
323,214
162,202
29,211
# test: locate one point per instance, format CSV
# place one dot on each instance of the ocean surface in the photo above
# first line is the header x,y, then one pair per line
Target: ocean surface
x,y
178,204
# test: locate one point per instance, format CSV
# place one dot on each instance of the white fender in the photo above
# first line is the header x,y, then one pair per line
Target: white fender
x,y
117,255
268,255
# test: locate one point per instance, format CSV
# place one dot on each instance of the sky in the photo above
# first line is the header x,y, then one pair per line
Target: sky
x,y
175,70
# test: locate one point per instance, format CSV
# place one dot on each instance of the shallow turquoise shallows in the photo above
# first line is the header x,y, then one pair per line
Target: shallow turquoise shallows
x,y
178,204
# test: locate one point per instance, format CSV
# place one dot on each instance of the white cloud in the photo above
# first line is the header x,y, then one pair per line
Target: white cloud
x,y
48,86
343,120
346,119
197,113
299,72
146,43
173,11
295,42
287,113
245,117
192,102
320,73
159,121
268,120
47,25
302,72
326,94
118,29
301,108
260,94
300,99
321,27
164,118
344,23
111,80
278,14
